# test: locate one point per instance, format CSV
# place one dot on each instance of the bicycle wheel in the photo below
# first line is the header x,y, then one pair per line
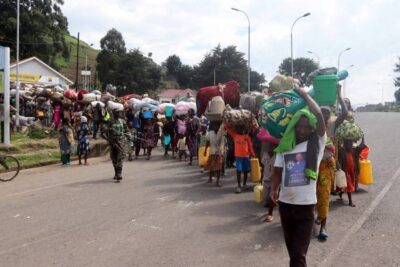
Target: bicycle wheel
x,y
9,168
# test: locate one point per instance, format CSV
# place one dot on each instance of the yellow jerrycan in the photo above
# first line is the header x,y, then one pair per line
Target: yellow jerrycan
x,y
365,176
258,193
203,159
255,170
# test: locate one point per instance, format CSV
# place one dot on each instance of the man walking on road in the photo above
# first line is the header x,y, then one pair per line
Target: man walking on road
x,y
116,136
296,171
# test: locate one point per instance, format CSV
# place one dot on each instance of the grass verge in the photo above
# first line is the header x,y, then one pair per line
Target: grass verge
x,y
38,159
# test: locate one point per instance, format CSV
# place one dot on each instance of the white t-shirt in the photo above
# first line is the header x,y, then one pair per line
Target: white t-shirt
x,y
296,188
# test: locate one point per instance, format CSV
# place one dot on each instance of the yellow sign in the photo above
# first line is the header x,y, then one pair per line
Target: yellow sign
x,y
1,82
25,77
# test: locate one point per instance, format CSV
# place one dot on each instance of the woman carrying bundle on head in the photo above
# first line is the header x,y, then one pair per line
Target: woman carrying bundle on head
x,y
215,141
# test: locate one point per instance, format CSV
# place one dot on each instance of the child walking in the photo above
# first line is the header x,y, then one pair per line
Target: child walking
x,y
348,159
182,147
243,152
215,142
83,140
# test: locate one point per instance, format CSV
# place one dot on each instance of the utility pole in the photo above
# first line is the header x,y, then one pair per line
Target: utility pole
x,y
77,65
17,69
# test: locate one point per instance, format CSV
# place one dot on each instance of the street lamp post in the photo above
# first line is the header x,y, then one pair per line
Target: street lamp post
x,y
291,41
316,55
248,47
17,70
340,54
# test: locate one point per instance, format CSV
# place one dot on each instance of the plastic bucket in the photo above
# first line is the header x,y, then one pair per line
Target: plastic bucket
x,y
325,89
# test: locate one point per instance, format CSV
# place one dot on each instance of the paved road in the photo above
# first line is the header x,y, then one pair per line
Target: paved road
x,y
164,214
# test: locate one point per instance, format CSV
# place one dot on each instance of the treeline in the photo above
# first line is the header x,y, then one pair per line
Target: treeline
x,y
133,72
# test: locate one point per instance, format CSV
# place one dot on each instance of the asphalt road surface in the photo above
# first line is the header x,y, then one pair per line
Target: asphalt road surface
x,y
164,214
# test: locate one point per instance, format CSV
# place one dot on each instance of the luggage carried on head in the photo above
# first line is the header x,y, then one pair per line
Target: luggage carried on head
x,y
278,110
281,83
182,108
239,118
251,101
215,109
349,131
165,108
70,94
114,106
95,103
57,97
147,114
89,98
230,92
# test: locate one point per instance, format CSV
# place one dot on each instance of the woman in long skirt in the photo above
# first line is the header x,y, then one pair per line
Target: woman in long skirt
x,y
192,135
66,141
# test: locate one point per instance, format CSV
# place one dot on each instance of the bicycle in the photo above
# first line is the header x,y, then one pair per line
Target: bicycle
x,y
9,168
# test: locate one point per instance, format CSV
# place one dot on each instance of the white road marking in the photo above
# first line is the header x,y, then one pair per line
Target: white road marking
x,y
334,254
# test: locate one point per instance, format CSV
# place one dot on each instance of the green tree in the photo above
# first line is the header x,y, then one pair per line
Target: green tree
x,y
302,67
228,64
178,72
256,81
137,74
397,82
108,60
173,65
42,29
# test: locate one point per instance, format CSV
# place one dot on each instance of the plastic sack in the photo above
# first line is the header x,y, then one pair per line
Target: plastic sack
x,y
278,110
162,108
94,104
115,106
70,94
182,108
89,98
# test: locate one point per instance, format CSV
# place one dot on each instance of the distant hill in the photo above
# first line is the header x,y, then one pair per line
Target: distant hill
x,y
68,67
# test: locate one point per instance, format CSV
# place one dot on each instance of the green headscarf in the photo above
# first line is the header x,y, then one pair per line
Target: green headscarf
x,y
288,141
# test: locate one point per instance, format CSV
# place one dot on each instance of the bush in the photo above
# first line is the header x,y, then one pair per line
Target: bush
x,y
36,133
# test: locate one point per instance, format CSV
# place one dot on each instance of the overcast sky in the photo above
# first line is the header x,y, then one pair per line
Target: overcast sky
x,y
190,28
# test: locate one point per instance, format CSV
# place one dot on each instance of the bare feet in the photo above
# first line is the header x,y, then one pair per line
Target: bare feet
x,y
269,218
351,204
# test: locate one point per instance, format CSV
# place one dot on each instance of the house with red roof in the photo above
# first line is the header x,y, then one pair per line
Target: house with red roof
x,y
175,95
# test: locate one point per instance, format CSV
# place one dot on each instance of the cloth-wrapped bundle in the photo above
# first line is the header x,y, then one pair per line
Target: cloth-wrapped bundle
x,y
278,110
349,131
234,118
281,83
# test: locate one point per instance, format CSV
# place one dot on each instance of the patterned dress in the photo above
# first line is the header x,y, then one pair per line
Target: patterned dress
x,y
83,139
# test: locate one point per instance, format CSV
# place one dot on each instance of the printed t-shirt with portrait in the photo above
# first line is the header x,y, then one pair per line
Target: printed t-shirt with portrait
x,y
296,188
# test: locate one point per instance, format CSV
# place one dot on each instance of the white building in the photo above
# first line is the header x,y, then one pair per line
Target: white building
x,y
33,70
